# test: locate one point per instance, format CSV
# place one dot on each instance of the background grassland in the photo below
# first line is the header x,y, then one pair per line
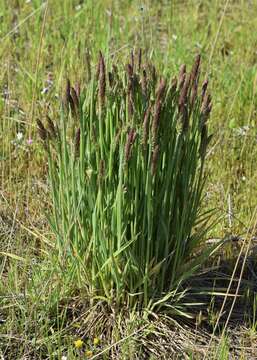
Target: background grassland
x,y
51,40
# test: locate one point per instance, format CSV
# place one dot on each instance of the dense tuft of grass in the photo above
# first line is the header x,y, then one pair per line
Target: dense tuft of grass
x,y
126,174
43,308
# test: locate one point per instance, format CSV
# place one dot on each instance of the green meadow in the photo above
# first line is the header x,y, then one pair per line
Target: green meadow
x,y
128,172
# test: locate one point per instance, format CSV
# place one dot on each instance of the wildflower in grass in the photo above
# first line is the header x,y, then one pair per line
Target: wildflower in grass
x,y
19,136
89,353
29,141
96,341
78,344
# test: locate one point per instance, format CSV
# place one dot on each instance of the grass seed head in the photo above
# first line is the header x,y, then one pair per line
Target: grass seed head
x,y
130,141
75,101
77,142
206,106
139,62
181,76
51,127
42,132
132,59
184,93
204,88
146,127
155,157
156,120
144,83
102,80
101,170
161,90
195,69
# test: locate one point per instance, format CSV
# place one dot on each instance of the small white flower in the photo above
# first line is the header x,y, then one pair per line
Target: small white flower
x,y
19,136
64,357
174,37
45,90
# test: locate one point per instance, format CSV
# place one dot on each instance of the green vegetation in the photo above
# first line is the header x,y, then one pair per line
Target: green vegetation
x,y
105,245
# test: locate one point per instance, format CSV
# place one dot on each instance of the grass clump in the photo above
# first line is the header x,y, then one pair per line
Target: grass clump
x,y
126,168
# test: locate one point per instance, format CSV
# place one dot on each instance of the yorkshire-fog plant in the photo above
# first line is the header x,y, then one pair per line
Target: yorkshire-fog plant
x,y
126,161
